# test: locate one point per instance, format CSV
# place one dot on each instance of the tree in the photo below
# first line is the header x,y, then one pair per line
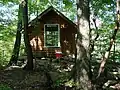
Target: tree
x,y
28,49
107,53
83,69
16,48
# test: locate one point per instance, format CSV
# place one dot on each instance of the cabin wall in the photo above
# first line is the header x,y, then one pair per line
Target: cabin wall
x,y
67,35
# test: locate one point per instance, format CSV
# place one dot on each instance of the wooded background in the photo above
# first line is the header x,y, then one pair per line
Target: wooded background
x,y
97,41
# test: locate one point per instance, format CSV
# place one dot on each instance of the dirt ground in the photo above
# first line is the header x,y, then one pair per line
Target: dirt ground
x,y
46,75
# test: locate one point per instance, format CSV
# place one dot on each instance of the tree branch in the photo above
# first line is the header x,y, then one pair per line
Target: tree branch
x,y
107,53
93,41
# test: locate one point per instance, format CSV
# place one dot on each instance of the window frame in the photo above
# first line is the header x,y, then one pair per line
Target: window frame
x,y
53,35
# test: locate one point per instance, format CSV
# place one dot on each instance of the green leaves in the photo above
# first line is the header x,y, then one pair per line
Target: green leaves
x,y
68,3
4,87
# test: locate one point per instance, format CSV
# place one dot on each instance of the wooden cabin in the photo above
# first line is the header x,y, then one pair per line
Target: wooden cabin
x,y
52,32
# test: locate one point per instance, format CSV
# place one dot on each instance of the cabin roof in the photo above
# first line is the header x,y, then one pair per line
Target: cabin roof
x,y
51,8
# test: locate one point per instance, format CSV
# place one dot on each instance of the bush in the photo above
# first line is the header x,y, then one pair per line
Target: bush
x,y
4,87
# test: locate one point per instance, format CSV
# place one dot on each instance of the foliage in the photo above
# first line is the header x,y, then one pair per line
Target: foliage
x,y
4,87
6,44
102,10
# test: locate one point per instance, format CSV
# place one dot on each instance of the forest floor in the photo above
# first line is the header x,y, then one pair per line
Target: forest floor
x,y
47,74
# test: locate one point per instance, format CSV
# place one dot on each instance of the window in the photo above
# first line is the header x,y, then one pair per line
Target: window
x,y
51,35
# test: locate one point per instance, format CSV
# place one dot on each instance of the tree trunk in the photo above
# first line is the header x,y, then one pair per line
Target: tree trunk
x,y
83,67
29,65
112,40
16,48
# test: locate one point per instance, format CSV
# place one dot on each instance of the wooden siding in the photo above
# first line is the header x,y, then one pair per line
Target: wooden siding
x,y
67,36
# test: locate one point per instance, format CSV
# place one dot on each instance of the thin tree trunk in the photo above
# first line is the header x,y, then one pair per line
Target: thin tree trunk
x,y
107,53
16,48
83,68
29,65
